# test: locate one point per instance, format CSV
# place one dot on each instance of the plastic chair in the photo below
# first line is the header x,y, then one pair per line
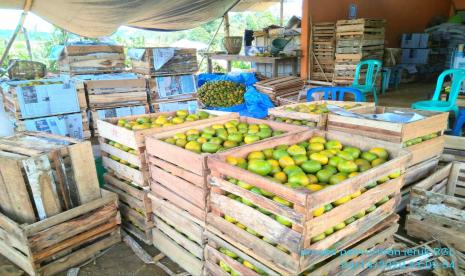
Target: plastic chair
x,y
386,78
335,93
373,69
459,122
435,104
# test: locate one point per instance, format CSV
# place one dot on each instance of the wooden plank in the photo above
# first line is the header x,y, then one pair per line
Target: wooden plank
x,y
426,150
85,176
14,197
197,180
136,176
43,186
176,253
454,142
17,258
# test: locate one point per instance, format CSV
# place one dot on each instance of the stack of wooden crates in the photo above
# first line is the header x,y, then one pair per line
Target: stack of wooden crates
x,y
169,74
98,74
247,239
53,215
179,192
50,105
324,45
357,40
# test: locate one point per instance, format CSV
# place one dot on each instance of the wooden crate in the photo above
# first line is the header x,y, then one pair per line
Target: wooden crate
x,y
134,205
378,238
413,175
184,61
437,207
304,225
454,149
116,93
179,175
91,59
44,175
64,240
178,235
134,139
362,27
434,122
319,119
280,86
94,117
181,100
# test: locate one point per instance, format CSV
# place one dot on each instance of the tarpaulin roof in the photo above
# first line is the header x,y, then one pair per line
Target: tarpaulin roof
x,y
95,18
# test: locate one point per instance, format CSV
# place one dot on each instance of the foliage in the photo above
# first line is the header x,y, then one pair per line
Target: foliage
x,y
42,44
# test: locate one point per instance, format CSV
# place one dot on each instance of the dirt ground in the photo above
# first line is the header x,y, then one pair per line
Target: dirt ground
x,y
120,260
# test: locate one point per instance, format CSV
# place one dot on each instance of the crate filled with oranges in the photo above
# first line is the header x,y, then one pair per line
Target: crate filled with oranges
x,y
312,190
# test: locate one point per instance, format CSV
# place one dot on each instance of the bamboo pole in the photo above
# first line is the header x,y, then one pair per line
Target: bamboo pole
x,y
28,43
27,7
226,25
281,13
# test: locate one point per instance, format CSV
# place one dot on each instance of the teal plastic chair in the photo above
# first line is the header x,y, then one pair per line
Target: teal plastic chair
x,y
369,86
435,104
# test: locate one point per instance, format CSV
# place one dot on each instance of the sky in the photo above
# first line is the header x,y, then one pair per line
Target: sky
x,y
34,23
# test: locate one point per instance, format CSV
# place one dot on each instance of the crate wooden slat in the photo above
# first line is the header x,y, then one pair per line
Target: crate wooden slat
x,y
179,175
178,235
64,240
305,226
45,174
116,93
434,122
184,61
91,59
135,207
319,119
351,263
454,149
323,47
436,208
135,139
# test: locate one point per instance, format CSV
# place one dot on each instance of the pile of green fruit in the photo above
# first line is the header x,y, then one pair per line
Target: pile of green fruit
x,y
226,268
145,122
218,137
124,148
38,82
314,108
294,122
314,165
221,93
418,140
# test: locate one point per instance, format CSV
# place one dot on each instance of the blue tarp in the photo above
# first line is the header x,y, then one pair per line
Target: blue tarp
x,y
256,104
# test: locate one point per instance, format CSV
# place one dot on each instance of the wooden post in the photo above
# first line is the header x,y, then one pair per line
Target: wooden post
x,y
28,44
226,25
281,13
27,7
305,41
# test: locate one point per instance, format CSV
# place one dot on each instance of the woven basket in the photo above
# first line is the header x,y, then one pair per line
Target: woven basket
x,y
233,44
26,70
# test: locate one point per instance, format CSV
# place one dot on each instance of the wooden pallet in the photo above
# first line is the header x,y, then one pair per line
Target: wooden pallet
x,y
134,139
178,235
91,59
179,175
436,209
319,119
64,240
434,122
304,225
276,87
44,175
323,48
184,61
116,93
134,205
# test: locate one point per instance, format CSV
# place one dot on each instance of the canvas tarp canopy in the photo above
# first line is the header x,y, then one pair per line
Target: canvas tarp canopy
x,y
96,18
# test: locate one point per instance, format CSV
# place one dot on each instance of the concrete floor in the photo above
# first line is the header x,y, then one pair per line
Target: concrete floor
x,y
120,260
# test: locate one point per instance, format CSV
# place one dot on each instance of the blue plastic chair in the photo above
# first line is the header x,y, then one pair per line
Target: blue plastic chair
x,y
459,122
386,78
335,93
435,104
369,85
